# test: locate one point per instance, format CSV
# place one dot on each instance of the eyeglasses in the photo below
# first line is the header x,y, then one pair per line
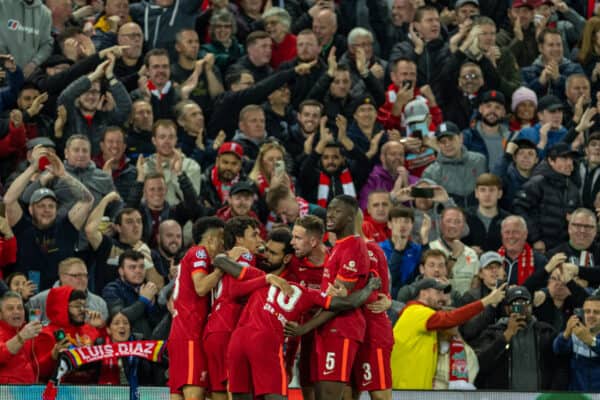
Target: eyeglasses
x,y
471,76
77,276
222,26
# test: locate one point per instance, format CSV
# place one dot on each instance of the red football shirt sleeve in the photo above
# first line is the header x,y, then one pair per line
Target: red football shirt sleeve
x,y
318,298
244,288
199,262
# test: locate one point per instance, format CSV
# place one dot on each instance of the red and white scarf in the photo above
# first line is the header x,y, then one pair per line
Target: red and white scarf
x,y
458,371
222,189
325,182
156,92
525,263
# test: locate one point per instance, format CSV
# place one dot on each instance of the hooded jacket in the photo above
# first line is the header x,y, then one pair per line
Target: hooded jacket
x,y
57,310
458,175
25,32
544,201
473,139
379,178
161,24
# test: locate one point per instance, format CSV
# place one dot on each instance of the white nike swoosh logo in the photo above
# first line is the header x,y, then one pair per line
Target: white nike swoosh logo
x,y
328,372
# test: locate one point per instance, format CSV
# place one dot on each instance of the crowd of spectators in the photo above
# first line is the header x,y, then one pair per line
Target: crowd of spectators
x,y
468,131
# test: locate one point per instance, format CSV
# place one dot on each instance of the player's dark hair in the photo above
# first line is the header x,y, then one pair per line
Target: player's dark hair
x,y
235,227
348,201
312,224
125,211
283,235
205,224
130,254
402,212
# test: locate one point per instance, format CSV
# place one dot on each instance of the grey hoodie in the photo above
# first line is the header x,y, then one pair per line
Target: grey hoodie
x,y
25,31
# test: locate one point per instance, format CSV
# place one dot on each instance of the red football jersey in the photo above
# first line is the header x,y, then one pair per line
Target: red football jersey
x,y
348,262
379,326
190,310
227,305
304,273
268,309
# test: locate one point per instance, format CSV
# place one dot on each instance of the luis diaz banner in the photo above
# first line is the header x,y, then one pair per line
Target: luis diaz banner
x,y
74,358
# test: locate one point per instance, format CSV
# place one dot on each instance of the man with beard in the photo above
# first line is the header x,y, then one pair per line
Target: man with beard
x,y
66,311
326,173
488,134
90,109
241,240
416,332
216,182
167,253
241,203
307,50
44,236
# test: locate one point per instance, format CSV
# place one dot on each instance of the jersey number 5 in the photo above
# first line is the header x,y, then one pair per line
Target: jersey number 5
x,y
284,302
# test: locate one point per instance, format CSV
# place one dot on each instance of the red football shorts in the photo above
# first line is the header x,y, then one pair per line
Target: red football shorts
x,y
215,347
372,369
335,356
257,363
187,364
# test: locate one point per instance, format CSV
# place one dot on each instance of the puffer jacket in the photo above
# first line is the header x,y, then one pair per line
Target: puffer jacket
x,y
544,201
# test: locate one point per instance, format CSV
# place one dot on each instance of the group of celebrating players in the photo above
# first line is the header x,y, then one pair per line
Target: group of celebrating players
x,y
241,316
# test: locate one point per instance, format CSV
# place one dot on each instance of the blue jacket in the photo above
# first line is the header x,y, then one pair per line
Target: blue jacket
x,y
533,134
403,265
531,75
584,368
473,139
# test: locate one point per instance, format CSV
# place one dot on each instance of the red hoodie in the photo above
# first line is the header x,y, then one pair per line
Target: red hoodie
x,y
389,121
57,310
16,368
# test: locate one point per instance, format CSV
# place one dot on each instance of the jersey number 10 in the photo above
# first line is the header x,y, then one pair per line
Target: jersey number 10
x,y
284,302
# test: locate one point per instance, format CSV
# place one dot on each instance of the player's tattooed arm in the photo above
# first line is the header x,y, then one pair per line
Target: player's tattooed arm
x,y
355,299
227,265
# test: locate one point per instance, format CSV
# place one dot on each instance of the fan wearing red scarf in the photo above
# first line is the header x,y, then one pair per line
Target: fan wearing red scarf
x,y
216,182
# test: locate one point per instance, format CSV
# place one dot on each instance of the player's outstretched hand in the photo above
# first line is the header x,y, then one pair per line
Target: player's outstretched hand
x,y
293,329
281,283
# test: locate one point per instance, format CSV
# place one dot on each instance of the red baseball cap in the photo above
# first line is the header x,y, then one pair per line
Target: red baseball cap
x,y
524,3
231,147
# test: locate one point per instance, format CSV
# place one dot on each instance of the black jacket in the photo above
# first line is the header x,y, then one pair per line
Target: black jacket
x,y
259,73
490,240
429,63
227,105
544,201
310,171
209,197
182,212
473,327
300,85
495,357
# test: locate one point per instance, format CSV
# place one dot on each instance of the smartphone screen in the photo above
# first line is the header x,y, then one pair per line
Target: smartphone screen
x,y
34,276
